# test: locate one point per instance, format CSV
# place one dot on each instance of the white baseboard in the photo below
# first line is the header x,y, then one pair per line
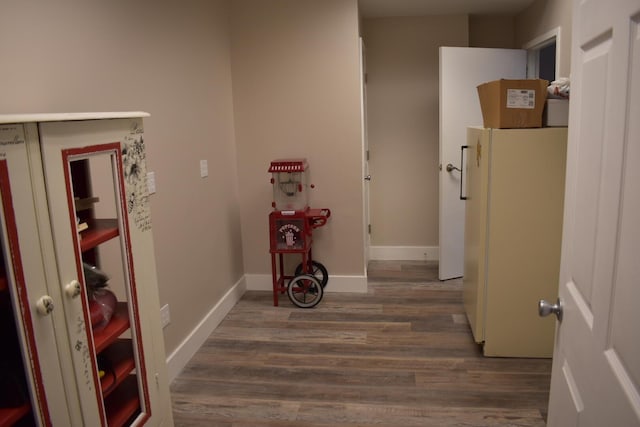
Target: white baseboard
x,y
404,253
263,282
178,359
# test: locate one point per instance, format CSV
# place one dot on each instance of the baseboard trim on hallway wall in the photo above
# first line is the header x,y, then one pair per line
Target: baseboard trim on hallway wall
x,y
263,282
404,253
179,358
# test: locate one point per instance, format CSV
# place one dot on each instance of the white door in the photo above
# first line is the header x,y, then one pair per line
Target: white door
x,y
462,69
365,154
596,366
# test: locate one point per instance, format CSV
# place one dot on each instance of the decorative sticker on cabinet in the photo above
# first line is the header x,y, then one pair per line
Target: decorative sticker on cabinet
x,y
10,135
83,350
135,174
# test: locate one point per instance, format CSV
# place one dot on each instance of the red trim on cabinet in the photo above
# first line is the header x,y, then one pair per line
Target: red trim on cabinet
x,y
134,293
22,296
116,149
78,257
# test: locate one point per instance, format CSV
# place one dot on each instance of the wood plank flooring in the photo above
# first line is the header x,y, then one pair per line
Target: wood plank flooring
x,y
400,355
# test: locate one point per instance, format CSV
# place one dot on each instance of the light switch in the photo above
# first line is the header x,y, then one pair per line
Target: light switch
x,y
165,316
204,168
151,182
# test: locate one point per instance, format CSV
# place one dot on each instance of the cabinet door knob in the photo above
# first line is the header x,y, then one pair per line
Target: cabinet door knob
x,y
45,305
72,289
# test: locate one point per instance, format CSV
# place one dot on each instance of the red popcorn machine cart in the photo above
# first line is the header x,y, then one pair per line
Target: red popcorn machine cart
x,y
291,226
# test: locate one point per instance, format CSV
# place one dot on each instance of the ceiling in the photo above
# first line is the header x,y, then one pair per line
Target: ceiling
x,y
381,8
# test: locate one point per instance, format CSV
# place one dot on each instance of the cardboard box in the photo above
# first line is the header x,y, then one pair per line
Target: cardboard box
x,y
509,104
556,113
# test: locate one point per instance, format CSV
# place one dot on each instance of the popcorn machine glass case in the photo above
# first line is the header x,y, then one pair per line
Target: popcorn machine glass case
x,y
289,184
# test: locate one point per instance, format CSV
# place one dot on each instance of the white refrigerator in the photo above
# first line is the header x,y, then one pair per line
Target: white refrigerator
x,y
513,230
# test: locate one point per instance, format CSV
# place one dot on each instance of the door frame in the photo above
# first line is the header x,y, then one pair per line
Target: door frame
x,y
533,51
366,220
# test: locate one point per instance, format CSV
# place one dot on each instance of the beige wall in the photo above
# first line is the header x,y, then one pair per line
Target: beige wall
x,y
296,94
402,91
495,31
543,16
171,59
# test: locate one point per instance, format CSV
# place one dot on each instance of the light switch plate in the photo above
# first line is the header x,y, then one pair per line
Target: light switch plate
x,y
151,182
204,168
165,317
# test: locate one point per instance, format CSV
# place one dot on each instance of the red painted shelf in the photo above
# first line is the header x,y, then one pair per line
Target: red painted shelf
x,y
9,416
120,356
117,325
99,231
123,403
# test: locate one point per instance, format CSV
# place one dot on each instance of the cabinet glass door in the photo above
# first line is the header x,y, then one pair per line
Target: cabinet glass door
x,y
94,181
22,396
113,356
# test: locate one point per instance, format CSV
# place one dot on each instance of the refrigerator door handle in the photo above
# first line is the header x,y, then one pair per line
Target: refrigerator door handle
x,y
462,148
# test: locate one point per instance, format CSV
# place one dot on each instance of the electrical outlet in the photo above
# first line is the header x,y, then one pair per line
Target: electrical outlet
x,y
165,317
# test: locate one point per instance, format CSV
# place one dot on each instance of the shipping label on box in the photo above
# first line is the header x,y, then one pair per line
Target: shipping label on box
x,y
521,98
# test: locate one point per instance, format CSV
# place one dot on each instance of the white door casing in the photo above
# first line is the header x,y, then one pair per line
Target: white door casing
x,y
365,155
596,366
462,69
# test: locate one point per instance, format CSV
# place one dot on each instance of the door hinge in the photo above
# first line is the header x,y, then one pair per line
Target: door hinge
x,y
367,155
369,228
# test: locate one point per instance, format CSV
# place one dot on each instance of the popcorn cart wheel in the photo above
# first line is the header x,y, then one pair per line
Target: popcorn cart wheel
x,y
305,291
317,270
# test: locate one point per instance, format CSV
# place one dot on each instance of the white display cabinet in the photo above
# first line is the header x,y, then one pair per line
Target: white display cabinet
x,y
78,288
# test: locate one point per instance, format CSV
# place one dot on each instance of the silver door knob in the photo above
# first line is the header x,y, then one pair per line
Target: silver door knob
x,y
450,168
367,178
545,308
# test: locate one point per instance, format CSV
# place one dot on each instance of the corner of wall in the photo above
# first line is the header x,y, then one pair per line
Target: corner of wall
x,y
179,358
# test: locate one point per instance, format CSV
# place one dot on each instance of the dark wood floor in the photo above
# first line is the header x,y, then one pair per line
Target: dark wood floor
x,y
401,355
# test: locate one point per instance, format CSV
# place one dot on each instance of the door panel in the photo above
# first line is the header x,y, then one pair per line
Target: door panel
x,y
461,71
597,355
365,155
590,164
25,283
94,173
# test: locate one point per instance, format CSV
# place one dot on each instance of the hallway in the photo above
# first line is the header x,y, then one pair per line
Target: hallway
x,y
401,355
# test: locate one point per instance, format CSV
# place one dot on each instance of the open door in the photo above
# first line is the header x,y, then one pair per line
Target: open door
x,y
596,366
462,69
365,156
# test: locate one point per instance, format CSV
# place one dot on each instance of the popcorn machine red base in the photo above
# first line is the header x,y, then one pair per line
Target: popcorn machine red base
x,y
291,226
